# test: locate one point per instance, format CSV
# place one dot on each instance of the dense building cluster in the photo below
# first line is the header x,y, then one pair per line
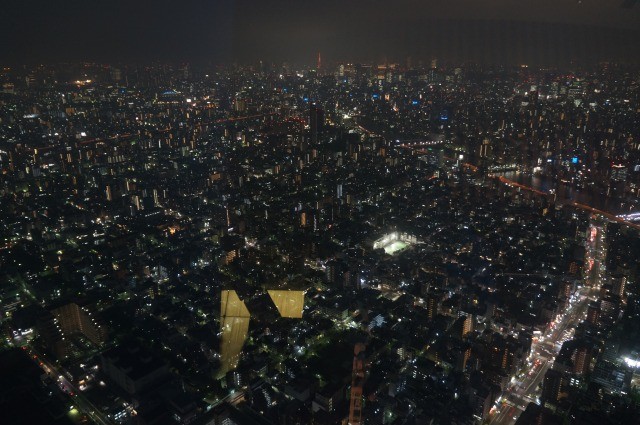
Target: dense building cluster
x,y
208,246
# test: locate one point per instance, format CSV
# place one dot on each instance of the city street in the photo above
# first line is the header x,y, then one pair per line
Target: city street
x,y
543,352
77,399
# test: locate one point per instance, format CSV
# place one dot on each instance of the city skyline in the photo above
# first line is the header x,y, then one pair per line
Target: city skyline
x,y
363,212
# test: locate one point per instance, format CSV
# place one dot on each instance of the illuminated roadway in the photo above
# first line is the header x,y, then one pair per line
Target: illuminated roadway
x,y
543,351
78,400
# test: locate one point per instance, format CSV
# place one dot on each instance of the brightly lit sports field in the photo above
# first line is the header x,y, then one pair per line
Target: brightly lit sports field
x,y
394,247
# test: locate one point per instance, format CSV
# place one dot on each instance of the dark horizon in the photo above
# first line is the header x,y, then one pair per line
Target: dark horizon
x,y
282,31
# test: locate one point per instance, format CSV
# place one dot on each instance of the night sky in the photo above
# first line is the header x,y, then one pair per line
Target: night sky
x,y
544,32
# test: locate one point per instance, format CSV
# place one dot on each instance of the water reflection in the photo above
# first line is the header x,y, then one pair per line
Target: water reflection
x,y
589,196
288,303
235,317
234,325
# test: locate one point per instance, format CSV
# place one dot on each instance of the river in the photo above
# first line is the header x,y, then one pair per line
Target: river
x,y
565,193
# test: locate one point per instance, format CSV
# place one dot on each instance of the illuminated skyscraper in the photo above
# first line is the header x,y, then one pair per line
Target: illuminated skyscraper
x,y
485,148
553,387
593,313
432,306
76,319
618,284
581,360
617,181
467,325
